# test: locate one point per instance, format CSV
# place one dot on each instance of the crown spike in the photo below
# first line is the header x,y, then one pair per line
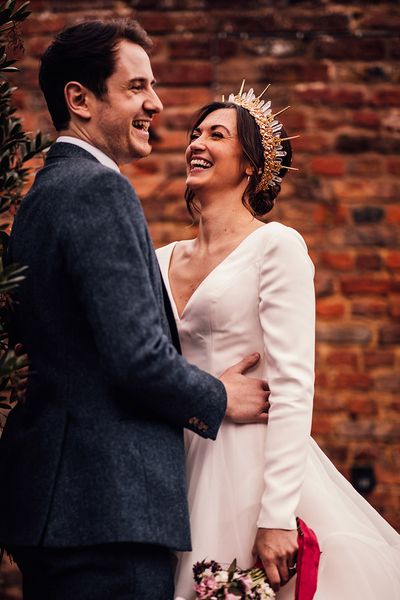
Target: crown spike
x,y
289,168
281,111
263,92
241,87
292,137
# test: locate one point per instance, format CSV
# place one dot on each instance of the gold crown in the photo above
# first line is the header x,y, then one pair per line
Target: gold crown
x,y
270,131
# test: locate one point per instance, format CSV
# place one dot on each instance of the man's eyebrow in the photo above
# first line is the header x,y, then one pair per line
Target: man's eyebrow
x,y
141,80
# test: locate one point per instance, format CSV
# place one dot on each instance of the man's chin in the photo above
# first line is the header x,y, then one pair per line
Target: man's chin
x,y
140,152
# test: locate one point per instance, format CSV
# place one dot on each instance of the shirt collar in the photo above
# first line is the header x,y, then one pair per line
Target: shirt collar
x,y
99,154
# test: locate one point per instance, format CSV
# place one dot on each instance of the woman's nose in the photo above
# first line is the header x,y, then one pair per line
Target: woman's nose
x,y
197,144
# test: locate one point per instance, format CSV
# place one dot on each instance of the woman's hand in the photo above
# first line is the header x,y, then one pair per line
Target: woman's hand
x,y
277,550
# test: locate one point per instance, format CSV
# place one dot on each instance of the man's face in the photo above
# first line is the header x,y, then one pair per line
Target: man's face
x,y
120,121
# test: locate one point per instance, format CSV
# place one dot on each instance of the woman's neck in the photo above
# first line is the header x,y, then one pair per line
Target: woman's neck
x,y
224,220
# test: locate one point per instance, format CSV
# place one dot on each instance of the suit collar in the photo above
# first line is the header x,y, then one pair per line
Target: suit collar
x,y
64,150
96,152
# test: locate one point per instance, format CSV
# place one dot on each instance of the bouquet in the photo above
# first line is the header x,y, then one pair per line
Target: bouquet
x,y
213,582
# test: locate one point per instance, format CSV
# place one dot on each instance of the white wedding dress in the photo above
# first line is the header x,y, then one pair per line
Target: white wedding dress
x,y
261,298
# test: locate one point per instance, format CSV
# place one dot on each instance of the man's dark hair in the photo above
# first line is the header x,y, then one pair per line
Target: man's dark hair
x,y
85,53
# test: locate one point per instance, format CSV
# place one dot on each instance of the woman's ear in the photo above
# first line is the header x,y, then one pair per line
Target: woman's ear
x,y
249,171
76,97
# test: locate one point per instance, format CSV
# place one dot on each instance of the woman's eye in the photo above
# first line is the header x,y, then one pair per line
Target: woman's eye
x,y
194,136
217,134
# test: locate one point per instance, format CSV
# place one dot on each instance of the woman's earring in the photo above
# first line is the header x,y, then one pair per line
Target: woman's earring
x,y
248,178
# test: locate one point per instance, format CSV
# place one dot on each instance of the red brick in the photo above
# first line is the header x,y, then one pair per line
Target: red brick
x,y
295,120
183,71
339,261
393,165
343,334
393,215
367,118
332,165
394,48
191,48
310,142
326,22
36,46
392,260
395,285
174,22
362,406
351,49
342,359
369,309
388,96
368,166
327,121
354,381
254,24
390,334
322,425
323,284
379,358
333,214
181,96
46,23
329,310
384,20
388,383
294,71
394,309
364,285
369,262
319,93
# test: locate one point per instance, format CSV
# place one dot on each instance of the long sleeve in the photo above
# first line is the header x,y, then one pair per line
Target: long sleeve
x,y
107,253
287,315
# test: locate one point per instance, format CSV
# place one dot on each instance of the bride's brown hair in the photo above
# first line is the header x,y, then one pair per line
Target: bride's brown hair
x,y
259,203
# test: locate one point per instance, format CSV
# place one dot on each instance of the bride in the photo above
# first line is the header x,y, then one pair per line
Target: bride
x,y
243,286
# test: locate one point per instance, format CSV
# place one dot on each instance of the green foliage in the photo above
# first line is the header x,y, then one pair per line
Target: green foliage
x,y
17,147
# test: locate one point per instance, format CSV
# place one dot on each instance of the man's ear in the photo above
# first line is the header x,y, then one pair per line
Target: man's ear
x,y
76,97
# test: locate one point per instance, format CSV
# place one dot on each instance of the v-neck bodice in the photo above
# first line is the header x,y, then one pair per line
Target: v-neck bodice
x,y
221,306
209,276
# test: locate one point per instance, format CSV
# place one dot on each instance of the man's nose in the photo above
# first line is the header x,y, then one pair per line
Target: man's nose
x,y
153,103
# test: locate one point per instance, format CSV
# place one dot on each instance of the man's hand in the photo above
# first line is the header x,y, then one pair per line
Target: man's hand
x,y
247,397
277,550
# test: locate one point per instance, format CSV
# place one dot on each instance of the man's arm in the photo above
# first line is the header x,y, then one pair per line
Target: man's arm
x,y
103,233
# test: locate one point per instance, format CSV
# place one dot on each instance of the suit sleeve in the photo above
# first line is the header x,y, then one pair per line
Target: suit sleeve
x,y
287,314
105,243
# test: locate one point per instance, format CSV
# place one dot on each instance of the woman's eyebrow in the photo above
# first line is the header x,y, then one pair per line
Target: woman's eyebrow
x,y
212,128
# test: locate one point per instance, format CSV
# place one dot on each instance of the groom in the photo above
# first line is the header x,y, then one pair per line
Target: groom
x,y
92,462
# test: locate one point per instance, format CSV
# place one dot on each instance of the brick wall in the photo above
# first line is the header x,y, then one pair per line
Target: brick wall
x,y
337,65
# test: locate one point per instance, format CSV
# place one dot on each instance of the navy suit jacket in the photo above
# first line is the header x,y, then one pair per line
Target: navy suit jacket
x,y
95,453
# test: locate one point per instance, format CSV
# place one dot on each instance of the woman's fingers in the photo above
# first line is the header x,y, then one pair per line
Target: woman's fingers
x,y
277,549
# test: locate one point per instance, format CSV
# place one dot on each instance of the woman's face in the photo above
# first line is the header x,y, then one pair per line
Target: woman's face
x,y
214,157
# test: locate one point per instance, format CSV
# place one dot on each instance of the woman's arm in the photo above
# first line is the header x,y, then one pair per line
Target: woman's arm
x,y
287,316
